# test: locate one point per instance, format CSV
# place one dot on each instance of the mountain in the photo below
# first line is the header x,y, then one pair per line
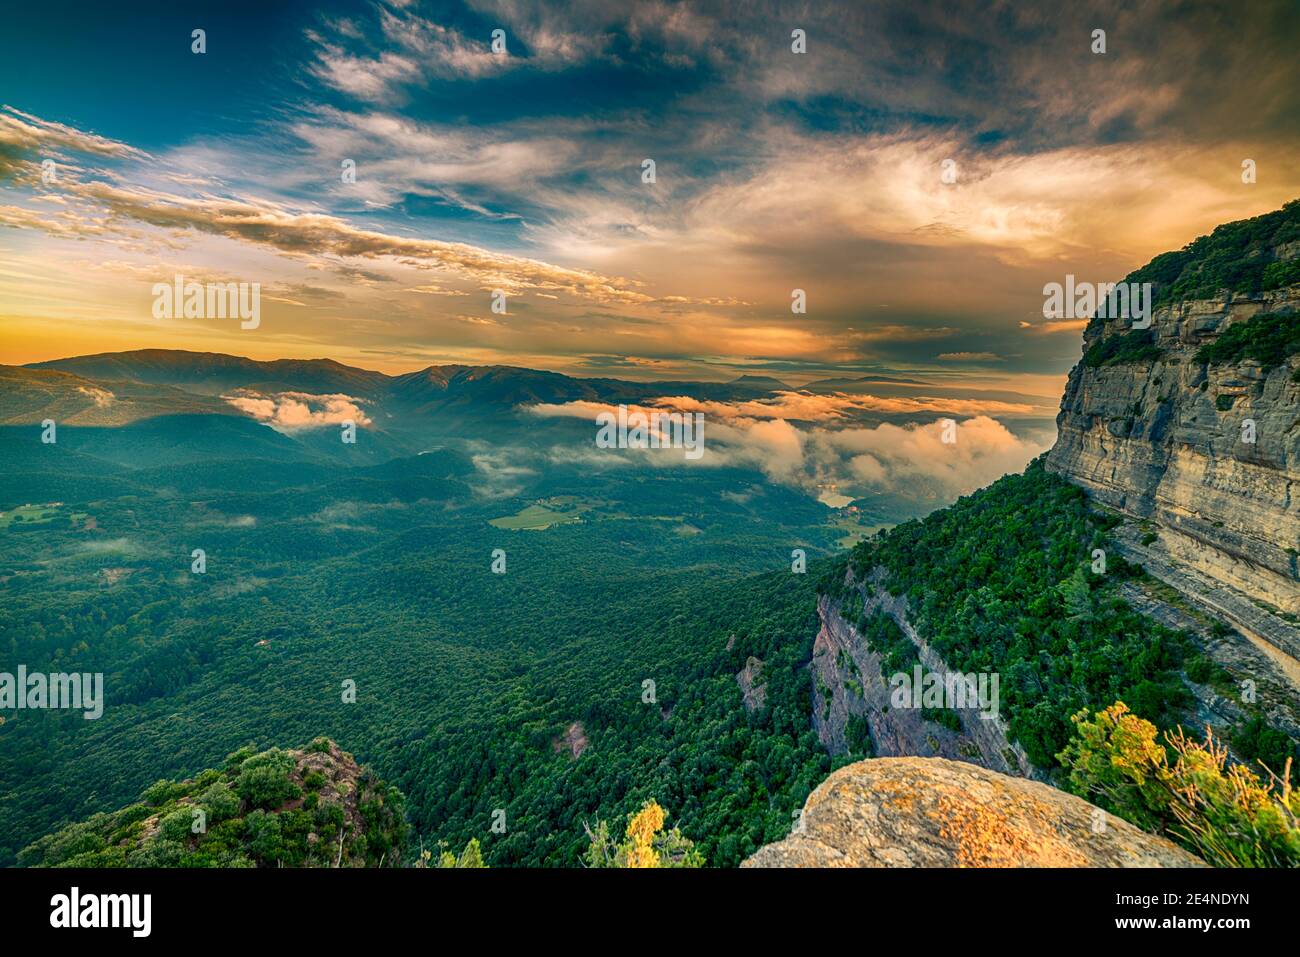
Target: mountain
x,y
30,395
429,390
404,411
859,383
212,373
763,383
530,635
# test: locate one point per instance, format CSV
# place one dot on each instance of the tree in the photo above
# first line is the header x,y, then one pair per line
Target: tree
x,y
471,856
645,844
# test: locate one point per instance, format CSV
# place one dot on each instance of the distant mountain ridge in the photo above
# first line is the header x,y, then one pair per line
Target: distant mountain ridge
x,y
214,371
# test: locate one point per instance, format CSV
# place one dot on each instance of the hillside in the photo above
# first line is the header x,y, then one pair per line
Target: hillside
x,y
312,807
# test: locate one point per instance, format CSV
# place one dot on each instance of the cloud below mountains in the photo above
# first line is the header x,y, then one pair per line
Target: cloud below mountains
x,y
296,411
818,447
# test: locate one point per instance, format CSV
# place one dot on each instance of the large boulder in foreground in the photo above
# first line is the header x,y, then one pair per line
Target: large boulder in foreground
x,y
932,812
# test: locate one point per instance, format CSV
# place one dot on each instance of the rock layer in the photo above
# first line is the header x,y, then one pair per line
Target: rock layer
x,y
1164,441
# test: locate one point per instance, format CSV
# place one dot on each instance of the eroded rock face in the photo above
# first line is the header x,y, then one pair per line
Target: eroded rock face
x,y
847,682
932,812
1164,441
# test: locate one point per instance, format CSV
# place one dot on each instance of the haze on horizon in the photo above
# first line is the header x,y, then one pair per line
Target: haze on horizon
x,y
522,171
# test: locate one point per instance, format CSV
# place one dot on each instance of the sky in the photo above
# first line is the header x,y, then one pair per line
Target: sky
x,y
519,171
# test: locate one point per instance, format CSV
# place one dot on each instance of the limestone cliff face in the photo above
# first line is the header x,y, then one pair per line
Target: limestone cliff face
x,y
847,682
1163,441
930,812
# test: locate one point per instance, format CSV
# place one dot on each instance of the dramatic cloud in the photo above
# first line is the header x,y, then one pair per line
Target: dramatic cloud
x,y
317,234
920,172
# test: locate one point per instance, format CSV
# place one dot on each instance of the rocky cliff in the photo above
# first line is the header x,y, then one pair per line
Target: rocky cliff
x,y
930,812
1209,454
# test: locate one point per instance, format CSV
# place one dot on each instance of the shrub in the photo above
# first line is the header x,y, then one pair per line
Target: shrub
x,y
1204,670
160,792
1263,746
264,779
220,802
176,826
645,844
1268,337
1184,789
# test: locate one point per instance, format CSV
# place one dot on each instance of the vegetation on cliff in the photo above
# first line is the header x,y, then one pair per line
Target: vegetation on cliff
x,y
309,808
1239,257
1137,345
1269,338
1019,579
1002,582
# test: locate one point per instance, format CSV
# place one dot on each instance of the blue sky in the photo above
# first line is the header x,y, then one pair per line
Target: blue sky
x,y
520,171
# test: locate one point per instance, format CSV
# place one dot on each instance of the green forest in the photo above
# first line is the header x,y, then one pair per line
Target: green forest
x,y
554,695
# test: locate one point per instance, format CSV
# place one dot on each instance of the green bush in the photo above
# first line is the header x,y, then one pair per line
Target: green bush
x,y
220,802
1239,257
177,825
264,780
1184,789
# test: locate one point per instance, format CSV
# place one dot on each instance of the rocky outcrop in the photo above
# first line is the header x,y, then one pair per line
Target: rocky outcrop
x,y
574,741
847,682
753,687
1165,440
930,812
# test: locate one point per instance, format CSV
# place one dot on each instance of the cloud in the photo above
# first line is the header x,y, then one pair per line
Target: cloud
x,y
818,171
317,235
1049,326
911,460
809,407
295,411
380,63
102,397
917,460
26,140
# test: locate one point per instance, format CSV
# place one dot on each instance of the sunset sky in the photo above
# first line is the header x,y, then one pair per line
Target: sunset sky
x,y
522,171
